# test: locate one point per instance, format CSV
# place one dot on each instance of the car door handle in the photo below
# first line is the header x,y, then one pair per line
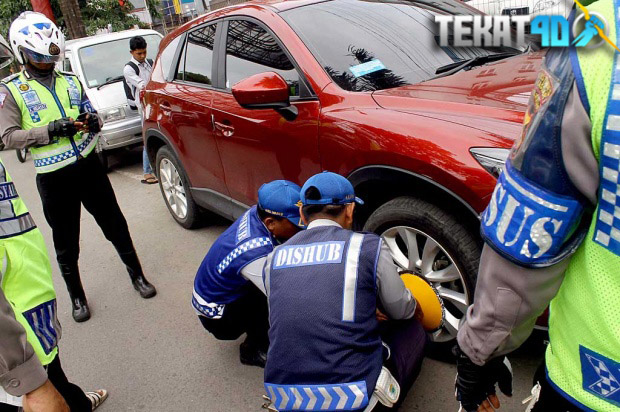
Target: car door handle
x,y
226,129
165,108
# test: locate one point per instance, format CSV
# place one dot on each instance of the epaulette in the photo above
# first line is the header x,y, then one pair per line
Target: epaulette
x,y
66,73
9,78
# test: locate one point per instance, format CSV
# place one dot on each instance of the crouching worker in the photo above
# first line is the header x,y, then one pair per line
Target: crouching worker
x,y
323,286
228,305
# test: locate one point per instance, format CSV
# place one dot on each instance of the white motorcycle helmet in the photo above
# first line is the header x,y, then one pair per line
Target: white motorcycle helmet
x,y
36,38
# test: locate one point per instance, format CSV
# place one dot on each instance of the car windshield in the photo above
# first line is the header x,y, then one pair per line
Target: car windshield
x,y
374,45
104,61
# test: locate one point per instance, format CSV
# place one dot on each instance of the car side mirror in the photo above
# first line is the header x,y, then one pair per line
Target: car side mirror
x,y
265,91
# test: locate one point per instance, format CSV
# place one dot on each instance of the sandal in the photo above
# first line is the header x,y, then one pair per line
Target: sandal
x,y
149,179
97,397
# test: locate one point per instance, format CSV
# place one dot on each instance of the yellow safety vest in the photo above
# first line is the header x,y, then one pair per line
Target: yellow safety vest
x,y
40,106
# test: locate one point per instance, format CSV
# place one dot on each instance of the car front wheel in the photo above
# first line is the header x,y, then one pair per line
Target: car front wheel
x,y
174,187
428,241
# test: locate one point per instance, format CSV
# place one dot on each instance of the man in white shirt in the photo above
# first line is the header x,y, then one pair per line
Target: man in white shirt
x,y
137,73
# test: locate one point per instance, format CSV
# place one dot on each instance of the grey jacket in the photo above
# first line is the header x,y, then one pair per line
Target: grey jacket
x,y
509,298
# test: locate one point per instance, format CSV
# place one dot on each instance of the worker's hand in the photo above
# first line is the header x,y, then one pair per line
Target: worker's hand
x,y
475,385
45,399
381,317
65,127
91,124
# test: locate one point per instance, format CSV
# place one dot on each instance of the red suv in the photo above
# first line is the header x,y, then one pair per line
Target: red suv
x,y
286,89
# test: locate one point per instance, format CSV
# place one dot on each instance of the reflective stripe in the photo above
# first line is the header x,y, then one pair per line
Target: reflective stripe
x,y
16,225
532,196
45,163
350,277
44,323
239,250
334,397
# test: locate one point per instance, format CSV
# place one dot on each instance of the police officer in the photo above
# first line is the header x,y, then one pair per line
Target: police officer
x,y
552,233
227,304
38,108
323,285
29,327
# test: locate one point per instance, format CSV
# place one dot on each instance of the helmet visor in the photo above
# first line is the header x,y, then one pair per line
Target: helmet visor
x,y
35,57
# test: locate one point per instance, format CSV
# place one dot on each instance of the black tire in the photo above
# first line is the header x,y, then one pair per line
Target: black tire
x,y
192,216
21,154
459,242
103,159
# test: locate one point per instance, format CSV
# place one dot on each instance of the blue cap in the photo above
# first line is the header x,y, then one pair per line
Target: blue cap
x,y
281,198
334,190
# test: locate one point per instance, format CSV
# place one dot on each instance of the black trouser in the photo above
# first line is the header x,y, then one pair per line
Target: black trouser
x,y
407,341
248,314
73,394
64,191
550,400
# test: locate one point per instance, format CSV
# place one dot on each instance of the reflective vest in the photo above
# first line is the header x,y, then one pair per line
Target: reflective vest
x,y
325,352
40,105
219,280
583,357
26,272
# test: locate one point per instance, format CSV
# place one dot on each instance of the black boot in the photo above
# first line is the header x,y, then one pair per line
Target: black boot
x,y
252,355
130,259
71,275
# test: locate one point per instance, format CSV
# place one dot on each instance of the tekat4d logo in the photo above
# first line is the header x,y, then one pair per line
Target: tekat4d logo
x,y
589,30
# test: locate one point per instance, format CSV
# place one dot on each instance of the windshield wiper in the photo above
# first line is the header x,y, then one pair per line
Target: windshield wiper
x,y
110,81
452,68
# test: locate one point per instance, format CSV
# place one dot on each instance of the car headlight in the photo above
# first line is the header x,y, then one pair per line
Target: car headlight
x,y
492,159
113,114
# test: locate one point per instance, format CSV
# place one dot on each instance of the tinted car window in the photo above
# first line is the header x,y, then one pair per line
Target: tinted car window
x,y
197,58
374,45
251,50
104,61
166,57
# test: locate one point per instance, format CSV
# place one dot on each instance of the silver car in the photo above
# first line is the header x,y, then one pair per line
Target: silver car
x,y
98,61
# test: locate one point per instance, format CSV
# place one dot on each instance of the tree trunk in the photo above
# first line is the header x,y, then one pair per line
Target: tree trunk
x,y
43,6
73,18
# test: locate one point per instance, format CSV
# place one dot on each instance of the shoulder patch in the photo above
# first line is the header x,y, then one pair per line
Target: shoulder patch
x,y
2,98
10,78
320,253
526,223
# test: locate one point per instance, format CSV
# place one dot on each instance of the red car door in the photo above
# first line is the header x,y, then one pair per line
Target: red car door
x,y
192,87
258,146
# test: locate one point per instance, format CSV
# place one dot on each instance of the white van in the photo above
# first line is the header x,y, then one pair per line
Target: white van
x,y
98,61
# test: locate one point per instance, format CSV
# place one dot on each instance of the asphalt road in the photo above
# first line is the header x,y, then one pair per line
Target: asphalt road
x,y
153,355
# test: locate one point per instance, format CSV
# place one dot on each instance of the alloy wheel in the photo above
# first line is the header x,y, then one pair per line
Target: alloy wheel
x,y
173,188
415,251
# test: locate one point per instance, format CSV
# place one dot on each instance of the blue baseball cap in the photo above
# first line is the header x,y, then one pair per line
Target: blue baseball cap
x,y
281,198
333,188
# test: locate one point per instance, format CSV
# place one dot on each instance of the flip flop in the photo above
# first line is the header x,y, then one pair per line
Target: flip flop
x,y
97,397
150,180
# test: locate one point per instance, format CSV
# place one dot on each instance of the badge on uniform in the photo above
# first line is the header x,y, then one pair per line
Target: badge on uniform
x,y
525,223
601,375
24,87
304,255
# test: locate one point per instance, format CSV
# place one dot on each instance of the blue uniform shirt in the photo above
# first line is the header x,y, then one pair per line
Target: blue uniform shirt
x,y
219,280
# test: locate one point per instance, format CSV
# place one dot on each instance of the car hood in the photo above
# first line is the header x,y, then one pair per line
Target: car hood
x,y
110,95
491,98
